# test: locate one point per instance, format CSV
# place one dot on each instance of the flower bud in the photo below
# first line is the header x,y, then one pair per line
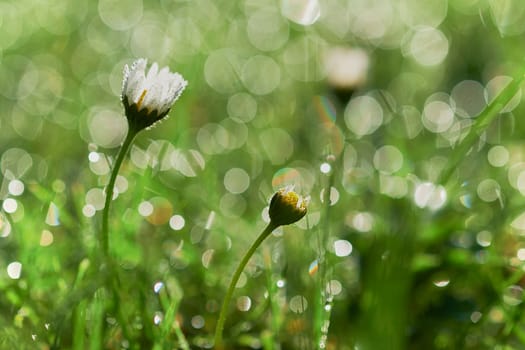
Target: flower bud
x,y
286,207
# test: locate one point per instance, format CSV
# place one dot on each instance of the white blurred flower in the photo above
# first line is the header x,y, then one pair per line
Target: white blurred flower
x,y
148,97
346,67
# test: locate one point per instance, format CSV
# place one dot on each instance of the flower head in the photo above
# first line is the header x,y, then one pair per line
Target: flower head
x,y
148,97
287,207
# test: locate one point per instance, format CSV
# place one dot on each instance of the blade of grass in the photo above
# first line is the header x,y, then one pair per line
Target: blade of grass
x,y
170,322
79,326
480,125
98,309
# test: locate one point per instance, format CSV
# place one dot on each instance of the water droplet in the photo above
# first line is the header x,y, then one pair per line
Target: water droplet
x,y
363,222
498,156
334,195
157,318
157,287
93,157
489,190
484,238
363,115
177,222
342,248
197,322
440,283
5,226
304,12
46,238
14,270
16,187
244,303
334,287
325,168
521,254
210,220
145,208
428,46
313,268
52,217
236,180
388,159
10,205
428,195
207,256
298,304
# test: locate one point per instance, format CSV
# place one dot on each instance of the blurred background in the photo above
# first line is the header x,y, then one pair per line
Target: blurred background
x,y
359,104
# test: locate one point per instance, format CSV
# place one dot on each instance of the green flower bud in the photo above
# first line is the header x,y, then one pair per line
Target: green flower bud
x,y
286,207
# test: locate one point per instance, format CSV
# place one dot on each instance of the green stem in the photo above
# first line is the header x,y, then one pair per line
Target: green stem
x,y
229,294
110,189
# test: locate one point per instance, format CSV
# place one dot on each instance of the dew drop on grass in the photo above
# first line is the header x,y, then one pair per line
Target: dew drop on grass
x,y
157,318
145,208
236,180
298,304
363,115
521,254
10,205
334,195
342,248
494,88
313,268
93,156
334,287
210,220
442,282
46,238
14,270
207,257
197,322
489,190
157,287
244,303
388,159
304,12
428,195
363,221
16,187
52,217
5,226
325,168
484,238
88,210
498,156
177,222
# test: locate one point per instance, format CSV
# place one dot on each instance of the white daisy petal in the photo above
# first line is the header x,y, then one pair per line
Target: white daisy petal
x,y
149,95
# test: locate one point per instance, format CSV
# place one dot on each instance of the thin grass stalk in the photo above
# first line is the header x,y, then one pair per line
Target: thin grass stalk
x,y
480,125
240,268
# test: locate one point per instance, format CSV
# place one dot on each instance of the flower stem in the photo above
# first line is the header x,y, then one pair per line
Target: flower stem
x,y
229,294
110,189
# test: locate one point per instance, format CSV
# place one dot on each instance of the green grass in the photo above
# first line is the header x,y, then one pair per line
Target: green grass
x,y
431,208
